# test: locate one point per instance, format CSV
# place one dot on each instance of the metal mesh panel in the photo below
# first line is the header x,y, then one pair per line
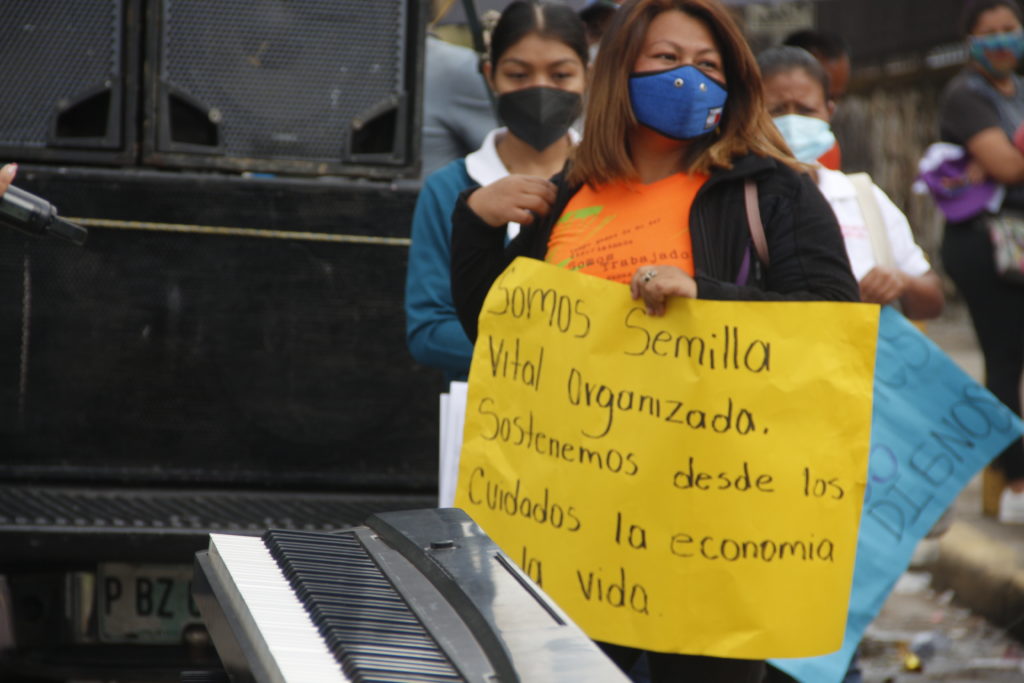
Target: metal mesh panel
x,y
38,507
284,79
191,357
52,52
224,359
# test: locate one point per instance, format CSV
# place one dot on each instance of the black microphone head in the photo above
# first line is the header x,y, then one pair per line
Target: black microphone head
x,y
67,230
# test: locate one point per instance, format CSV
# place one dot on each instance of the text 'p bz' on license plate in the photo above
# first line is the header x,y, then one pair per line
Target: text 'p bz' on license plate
x,y
144,603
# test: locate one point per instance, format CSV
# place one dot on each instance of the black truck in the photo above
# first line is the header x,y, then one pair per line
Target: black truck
x,y
226,350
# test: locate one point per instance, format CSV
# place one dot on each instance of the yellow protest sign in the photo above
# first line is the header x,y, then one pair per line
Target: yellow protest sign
x,y
690,483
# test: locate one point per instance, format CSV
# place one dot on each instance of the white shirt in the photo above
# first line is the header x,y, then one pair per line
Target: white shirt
x,y
841,194
484,165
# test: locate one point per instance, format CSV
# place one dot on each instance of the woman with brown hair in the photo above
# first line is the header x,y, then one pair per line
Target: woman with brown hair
x,y
653,197
675,123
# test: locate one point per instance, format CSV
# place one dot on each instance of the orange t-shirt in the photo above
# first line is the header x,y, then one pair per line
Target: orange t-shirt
x,y
832,159
611,231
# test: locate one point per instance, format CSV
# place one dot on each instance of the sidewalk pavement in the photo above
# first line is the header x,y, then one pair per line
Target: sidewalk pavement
x,y
980,559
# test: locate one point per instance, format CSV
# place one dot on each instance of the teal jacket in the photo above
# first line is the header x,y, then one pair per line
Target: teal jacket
x,y
432,329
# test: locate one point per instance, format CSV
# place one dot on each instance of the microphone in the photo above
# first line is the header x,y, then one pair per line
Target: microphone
x,y
35,216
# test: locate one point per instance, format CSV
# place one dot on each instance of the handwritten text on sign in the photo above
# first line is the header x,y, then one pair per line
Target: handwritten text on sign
x,y
690,483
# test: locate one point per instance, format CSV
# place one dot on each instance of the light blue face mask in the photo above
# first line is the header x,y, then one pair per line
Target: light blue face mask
x,y
806,136
681,103
980,46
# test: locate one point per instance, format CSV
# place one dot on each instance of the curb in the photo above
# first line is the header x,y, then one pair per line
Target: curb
x,y
984,574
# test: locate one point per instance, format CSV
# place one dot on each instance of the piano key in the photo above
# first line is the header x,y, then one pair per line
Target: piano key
x,y
312,562
291,640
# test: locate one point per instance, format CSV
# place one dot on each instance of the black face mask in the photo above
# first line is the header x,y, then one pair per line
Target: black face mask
x,y
539,116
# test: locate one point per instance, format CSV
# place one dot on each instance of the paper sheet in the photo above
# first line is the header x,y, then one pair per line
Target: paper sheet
x,y
690,483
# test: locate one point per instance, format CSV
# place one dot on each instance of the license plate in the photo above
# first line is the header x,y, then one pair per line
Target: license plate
x,y
144,603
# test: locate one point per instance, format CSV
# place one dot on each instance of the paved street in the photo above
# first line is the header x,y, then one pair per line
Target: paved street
x,y
954,645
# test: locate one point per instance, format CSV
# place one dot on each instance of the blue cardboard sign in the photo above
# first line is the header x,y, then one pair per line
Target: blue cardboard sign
x,y
933,428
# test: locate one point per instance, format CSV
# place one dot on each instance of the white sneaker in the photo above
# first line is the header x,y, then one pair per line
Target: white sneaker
x,y
1011,507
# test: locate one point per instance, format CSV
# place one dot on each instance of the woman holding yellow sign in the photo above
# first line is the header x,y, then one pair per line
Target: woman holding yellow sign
x,y
675,126
677,136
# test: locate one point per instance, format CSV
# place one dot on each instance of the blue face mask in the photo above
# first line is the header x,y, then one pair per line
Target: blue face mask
x,y
680,103
806,136
980,46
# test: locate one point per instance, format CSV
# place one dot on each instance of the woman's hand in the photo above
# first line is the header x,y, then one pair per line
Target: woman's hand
x,y
974,173
655,284
883,285
6,176
514,198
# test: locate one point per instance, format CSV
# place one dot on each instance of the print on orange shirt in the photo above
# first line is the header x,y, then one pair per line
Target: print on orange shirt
x,y
613,230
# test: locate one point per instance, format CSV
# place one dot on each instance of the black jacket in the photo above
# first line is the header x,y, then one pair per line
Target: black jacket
x,y
805,247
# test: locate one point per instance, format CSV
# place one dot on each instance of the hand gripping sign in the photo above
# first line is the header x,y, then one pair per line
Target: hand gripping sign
x,y
690,483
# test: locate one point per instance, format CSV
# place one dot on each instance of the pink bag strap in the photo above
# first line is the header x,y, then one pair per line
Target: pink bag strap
x,y
754,221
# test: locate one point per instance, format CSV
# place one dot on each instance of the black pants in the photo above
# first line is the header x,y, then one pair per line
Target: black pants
x,y
997,311
665,668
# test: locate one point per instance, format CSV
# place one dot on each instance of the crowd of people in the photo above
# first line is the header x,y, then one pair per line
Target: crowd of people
x,y
680,118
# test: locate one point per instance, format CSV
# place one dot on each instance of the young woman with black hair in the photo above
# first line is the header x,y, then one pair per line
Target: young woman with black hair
x,y
537,70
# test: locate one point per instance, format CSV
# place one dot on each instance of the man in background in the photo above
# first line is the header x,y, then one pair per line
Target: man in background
x,y
831,52
457,112
596,15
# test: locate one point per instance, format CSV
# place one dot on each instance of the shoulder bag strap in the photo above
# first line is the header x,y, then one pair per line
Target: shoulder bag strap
x,y
754,221
872,218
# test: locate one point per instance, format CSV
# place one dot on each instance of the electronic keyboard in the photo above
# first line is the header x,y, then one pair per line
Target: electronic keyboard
x,y
421,595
